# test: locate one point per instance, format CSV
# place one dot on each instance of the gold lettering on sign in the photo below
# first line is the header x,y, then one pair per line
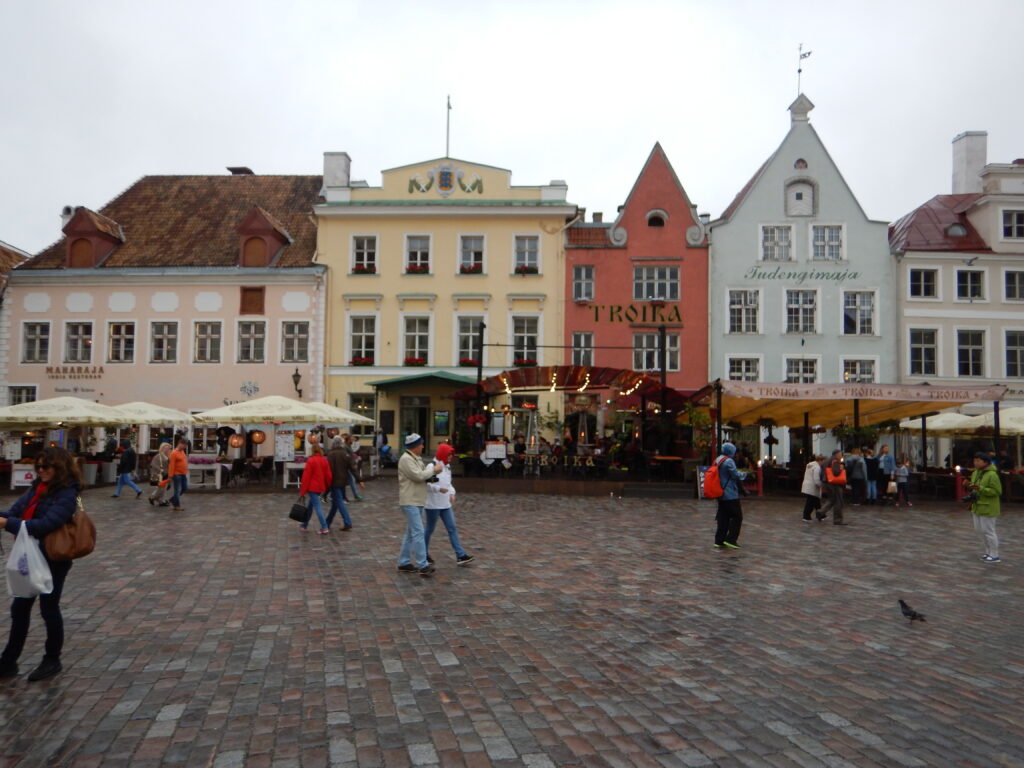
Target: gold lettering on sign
x,y
630,313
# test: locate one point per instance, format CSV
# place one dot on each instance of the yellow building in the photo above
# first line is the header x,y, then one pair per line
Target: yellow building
x,y
416,265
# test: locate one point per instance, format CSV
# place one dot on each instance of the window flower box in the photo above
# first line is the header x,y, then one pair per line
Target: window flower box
x,y
471,269
417,269
415,361
468,362
477,420
523,269
364,269
361,361
525,362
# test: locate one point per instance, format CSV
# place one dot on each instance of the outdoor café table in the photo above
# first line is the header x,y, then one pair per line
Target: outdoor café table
x,y
286,476
203,470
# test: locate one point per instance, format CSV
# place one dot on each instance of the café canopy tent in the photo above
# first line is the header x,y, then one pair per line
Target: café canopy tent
x,y
275,409
332,415
1011,421
830,405
61,412
942,424
140,412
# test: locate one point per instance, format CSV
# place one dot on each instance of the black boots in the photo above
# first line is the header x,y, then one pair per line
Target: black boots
x,y
47,668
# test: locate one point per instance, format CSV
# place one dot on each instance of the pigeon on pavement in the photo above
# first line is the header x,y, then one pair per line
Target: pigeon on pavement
x,y
910,613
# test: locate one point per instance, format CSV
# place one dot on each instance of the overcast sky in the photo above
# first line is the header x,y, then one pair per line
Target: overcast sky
x,y
94,95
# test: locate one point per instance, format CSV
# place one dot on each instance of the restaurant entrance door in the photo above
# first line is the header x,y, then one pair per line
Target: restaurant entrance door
x,y
415,410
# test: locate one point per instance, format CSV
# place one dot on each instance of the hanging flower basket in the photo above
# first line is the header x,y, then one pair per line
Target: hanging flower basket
x,y
468,362
417,269
415,361
525,362
364,269
523,269
471,269
477,420
361,361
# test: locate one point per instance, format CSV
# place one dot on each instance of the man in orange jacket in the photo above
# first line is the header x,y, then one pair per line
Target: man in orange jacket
x,y
177,471
835,483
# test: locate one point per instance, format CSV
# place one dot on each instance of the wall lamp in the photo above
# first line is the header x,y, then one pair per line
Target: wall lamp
x,y
296,378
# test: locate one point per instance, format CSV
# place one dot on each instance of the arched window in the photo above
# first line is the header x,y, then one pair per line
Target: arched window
x,y
81,254
655,221
254,252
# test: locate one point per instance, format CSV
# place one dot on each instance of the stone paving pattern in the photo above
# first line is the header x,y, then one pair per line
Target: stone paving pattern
x,y
589,632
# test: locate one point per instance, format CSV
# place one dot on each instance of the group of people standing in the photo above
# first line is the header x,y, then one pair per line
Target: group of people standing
x,y
871,479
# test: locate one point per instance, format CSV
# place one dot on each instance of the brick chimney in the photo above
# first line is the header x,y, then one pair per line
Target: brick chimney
x,y
970,150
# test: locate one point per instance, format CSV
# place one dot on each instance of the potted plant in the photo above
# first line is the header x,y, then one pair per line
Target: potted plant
x,y
468,362
471,269
415,361
524,269
524,362
364,269
361,361
417,269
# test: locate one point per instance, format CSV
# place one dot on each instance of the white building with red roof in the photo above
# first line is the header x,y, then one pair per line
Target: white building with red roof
x,y
960,264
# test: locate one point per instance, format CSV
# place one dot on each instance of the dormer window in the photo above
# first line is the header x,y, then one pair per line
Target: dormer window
x,y
261,239
956,230
91,237
254,252
80,254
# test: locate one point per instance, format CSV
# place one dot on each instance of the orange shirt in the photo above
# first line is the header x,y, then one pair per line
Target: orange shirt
x,y
178,463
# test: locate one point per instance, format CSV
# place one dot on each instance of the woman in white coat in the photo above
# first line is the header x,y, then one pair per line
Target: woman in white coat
x,y
811,488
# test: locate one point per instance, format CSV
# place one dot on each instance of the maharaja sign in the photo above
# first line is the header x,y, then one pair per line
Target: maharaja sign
x,y
74,371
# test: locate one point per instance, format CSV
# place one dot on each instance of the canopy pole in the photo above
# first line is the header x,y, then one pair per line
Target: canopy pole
x,y
482,436
856,413
807,438
718,418
995,423
924,441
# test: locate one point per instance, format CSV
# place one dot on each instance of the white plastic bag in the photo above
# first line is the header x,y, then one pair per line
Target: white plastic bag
x,y
28,574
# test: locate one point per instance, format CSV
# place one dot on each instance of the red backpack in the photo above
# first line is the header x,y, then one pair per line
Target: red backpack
x,y
712,482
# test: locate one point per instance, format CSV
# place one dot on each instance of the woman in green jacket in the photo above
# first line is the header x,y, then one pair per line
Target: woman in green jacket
x,y
986,489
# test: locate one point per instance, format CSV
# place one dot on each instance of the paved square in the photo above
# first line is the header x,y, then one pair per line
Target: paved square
x,y
589,632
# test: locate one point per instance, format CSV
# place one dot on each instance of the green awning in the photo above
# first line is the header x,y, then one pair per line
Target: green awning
x,y
432,377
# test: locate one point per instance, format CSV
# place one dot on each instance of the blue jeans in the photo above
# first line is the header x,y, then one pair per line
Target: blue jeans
x,y
180,483
872,490
352,485
126,479
313,499
414,548
338,503
448,518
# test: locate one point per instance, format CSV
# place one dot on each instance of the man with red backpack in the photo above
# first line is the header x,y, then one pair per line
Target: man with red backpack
x,y
730,515
835,483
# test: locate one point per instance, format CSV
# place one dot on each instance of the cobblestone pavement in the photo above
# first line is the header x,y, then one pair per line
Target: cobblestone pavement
x,y
588,632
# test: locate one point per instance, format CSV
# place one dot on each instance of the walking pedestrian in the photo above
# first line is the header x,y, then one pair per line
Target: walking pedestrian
x,y
177,470
355,474
857,473
158,477
440,498
730,514
338,458
835,483
316,478
871,465
46,506
903,483
811,488
125,467
986,488
412,497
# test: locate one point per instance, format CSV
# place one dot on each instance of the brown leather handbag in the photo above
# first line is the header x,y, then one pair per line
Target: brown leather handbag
x,y
75,539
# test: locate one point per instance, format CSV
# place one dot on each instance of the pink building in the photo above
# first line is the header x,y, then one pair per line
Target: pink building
x,y
185,291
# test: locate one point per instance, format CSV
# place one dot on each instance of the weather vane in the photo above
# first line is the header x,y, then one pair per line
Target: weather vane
x,y
800,66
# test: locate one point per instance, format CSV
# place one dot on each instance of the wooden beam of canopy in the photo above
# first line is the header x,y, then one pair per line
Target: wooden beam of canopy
x,y
829,405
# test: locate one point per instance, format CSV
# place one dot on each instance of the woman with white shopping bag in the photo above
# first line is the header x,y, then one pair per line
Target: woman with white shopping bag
x,y
46,506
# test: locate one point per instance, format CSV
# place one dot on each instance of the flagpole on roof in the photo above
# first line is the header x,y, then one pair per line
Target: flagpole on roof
x,y
799,68
448,127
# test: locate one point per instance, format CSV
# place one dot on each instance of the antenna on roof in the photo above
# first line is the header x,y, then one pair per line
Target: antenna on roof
x,y
800,67
448,127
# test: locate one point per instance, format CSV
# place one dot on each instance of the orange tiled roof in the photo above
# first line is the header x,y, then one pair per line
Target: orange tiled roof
x,y
172,221
100,222
926,228
587,236
9,259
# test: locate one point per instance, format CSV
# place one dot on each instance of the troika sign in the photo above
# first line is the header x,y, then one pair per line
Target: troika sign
x,y
632,313
923,392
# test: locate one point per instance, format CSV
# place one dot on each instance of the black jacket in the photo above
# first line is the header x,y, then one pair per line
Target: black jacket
x,y
127,462
53,511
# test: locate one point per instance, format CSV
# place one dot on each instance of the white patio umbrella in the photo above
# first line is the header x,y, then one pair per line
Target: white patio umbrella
x,y
332,415
273,409
1011,421
140,412
946,423
61,412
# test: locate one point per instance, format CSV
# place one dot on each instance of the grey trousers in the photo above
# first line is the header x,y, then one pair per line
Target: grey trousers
x,y
986,526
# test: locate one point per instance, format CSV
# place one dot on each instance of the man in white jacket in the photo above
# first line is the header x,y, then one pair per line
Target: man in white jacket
x,y
412,496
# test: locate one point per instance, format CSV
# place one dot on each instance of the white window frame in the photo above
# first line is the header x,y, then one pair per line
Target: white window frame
x,y
431,330
672,347
24,342
12,387
761,243
515,251
457,319
758,358
407,252
363,430
785,311
151,357
810,242
873,359
354,251
583,286
816,359
985,351
285,340
874,313
483,251
109,340
728,311
985,293
938,282
1006,271
89,346
194,346
672,280
582,348
1002,216
350,348
938,349
512,334
1003,348
251,320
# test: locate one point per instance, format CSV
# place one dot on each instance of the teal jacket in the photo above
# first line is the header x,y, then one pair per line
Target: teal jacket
x,y
989,490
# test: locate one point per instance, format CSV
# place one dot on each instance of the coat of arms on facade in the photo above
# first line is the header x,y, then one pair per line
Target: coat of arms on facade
x,y
446,176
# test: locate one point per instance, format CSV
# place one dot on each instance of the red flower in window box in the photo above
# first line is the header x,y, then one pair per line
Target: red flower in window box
x,y
468,362
524,362
415,361
361,361
364,269
523,269
477,420
417,269
471,269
